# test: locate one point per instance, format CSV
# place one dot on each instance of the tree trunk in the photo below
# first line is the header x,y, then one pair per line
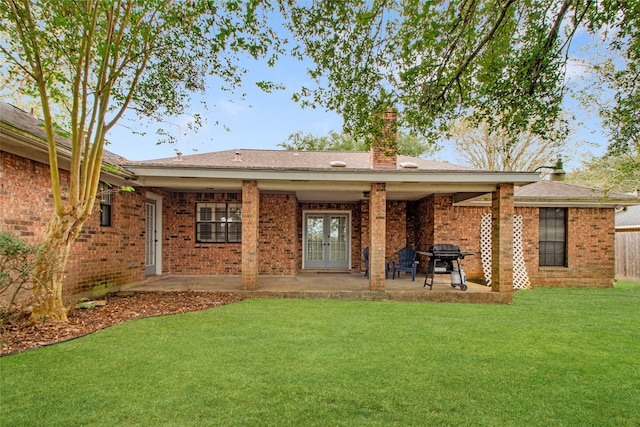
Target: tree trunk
x,y
62,231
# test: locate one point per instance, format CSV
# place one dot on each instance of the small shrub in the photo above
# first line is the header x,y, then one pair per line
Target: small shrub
x,y
17,260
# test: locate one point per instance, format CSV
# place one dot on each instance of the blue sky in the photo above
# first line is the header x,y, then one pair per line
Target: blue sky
x,y
262,120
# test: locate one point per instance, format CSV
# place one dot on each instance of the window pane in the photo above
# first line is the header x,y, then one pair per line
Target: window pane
x,y
338,238
220,235
205,212
204,232
219,222
235,232
105,215
315,238
553,232
221,212
235,212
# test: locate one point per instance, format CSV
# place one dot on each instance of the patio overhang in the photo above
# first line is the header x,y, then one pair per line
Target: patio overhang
x,y
346,185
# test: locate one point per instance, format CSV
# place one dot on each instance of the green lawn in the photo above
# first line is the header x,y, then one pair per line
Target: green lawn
x,y
554,357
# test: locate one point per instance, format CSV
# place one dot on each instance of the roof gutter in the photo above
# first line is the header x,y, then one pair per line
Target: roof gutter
x,y
555,203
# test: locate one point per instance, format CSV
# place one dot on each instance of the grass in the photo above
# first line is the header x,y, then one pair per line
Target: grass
x,y
556,356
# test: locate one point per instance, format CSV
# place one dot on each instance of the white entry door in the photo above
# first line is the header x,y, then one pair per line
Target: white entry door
x,y
151,239
326,240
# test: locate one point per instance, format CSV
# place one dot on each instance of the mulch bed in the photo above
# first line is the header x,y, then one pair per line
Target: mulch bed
x,y
21,335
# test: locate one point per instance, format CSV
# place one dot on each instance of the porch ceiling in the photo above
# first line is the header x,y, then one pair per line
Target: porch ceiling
x,y
330,185
395,191
324,191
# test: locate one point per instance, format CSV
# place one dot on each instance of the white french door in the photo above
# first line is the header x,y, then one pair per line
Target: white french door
x,y
326,240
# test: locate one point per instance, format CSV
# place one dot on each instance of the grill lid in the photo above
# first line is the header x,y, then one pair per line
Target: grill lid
x,y
445,248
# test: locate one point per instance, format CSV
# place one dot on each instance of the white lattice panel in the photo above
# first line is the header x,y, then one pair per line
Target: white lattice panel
x,y
520,276
485,247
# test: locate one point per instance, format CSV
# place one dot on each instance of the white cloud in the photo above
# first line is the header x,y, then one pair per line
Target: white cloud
x,y
232,109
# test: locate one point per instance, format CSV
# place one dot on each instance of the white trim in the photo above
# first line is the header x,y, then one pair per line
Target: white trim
x,y
323,212
557,203
158,199
340,175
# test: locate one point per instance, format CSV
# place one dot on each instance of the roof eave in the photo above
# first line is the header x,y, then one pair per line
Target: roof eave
x,y
348,175
22,143
558,202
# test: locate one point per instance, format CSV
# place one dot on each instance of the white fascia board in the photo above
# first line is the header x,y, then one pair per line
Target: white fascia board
x,y
555,203
335,176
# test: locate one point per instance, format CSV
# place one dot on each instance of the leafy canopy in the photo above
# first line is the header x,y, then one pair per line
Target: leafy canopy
x,y
408,145
496,61
96,59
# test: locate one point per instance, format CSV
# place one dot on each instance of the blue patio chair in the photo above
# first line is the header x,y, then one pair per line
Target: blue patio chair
x,y
406,262
366,261
366,264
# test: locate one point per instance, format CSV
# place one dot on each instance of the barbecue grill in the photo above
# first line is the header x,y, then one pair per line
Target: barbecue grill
x,y
441,261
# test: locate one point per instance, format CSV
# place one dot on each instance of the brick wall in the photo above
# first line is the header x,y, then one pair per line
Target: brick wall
x,y
25,191
384,150
377,236
181,254
421,215
102,257
399,231
590,251
277,242
279,246
590,241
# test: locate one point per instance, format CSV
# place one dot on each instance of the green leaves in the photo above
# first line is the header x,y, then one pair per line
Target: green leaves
x,y
438,61
408,145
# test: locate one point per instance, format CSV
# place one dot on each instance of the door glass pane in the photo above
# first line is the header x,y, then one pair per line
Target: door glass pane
x,y
150,248
338,239
315,240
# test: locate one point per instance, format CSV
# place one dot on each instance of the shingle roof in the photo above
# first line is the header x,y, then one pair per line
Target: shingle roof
x,y
561,190
15,117
284,159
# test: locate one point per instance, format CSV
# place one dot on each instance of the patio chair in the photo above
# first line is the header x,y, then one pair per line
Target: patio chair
x,y
406,262
366,261
366,264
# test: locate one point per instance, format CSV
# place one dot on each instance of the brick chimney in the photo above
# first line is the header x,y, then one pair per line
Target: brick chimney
x,y
558,173
384,149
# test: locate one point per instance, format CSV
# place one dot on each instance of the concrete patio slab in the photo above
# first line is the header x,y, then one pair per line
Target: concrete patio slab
x,y
323,285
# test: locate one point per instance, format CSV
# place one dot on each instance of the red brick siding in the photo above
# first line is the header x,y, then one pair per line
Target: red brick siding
x,y
422,216
396,228
277,241
530,238
102,257
181,254
27,203
279,245
397,231
377,239
115,255
590,251
590,240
